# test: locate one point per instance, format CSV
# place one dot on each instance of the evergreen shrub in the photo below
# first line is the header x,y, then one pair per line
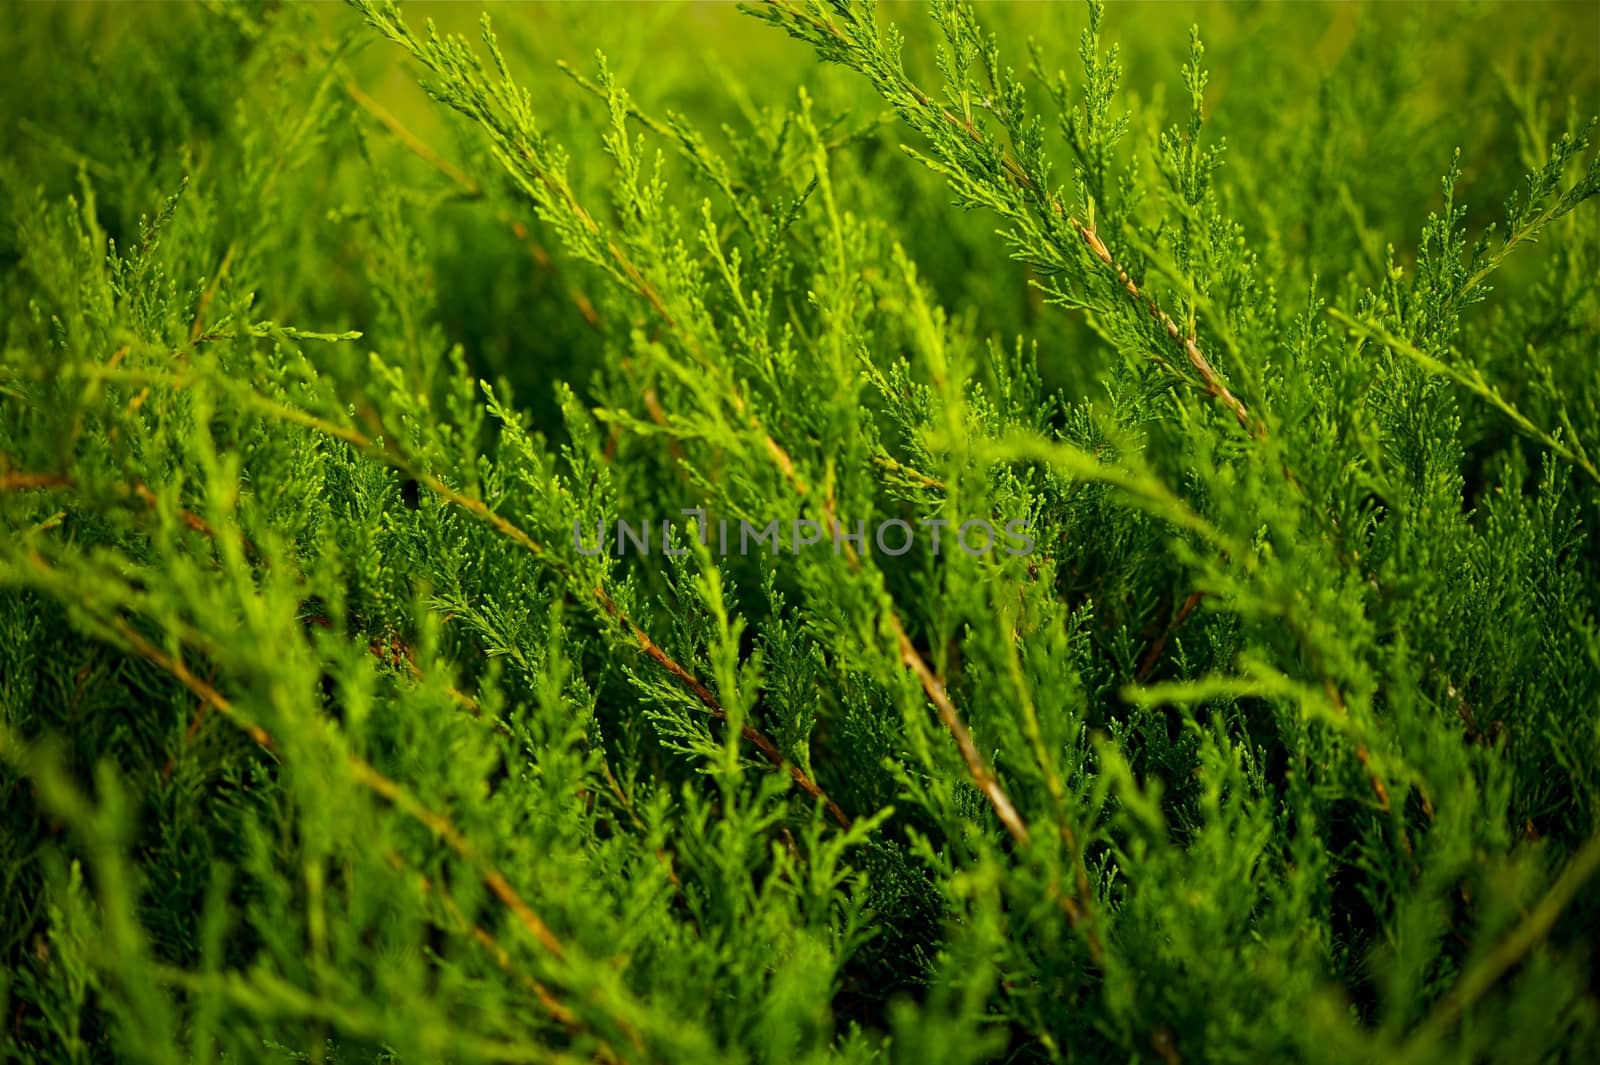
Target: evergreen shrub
x,y
1247,710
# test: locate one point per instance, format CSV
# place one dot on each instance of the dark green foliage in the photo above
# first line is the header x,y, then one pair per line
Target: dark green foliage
x,y
323,739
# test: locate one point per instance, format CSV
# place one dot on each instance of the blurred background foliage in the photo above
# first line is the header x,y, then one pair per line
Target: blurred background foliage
x,y
1339,140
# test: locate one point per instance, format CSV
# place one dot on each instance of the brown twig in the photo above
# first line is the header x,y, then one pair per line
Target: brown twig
x,y
197,329
188,517
369,776
175,666
652,404
1160,645
1191,351
189,733
652,650
1484,974
502,958
19,481
982,776
642,287
543,258
366,445
758,740
469,187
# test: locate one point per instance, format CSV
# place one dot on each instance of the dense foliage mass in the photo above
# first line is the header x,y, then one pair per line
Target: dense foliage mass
x,y
1274,736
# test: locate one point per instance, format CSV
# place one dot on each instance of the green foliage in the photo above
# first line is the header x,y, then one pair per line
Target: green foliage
x,y
325,738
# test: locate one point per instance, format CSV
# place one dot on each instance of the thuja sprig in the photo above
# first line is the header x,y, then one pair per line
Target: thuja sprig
x,y
1422,323
376,446
988,175
787,468
1570,448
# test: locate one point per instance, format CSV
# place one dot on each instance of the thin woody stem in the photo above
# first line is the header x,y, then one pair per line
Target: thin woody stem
x,y
375,781
1191,350
386,788
1078,909
642,287
1508,953
982,776
609,607
757,739
502,958
418,147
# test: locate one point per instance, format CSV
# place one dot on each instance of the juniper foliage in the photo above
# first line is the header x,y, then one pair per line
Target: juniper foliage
x,y
323,737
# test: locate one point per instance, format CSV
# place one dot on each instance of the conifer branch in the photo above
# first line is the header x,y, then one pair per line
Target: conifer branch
x,y
375,449
380,785
484,938
462,180
476,507
367,775
982,776
1473,382
918,108
611,610
1209,376
1481,976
